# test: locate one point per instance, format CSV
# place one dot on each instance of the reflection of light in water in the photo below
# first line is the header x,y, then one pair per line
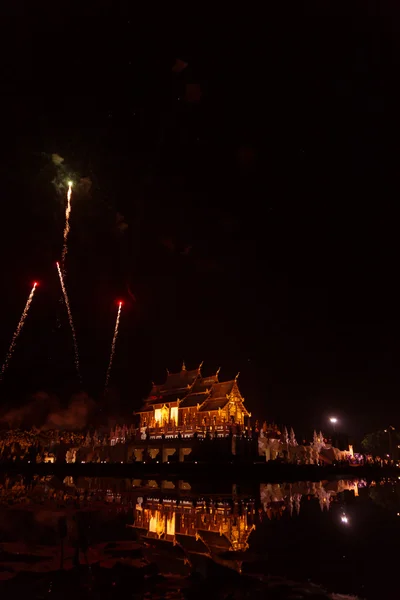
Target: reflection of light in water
x,y
344,519
215,521
275,498
156,523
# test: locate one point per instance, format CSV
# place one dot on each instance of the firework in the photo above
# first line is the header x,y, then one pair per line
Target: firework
x,y
66,228
113,344
71,322
18,330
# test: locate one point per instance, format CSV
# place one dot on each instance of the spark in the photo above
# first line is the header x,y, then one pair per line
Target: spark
x,y
18,330
113,345
71,322
344,519
67,227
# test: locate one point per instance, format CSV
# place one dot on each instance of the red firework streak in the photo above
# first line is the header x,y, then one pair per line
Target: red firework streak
x,y
120,303
18,330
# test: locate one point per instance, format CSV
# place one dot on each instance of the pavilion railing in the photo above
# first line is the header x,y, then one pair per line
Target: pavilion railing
x,y
188,430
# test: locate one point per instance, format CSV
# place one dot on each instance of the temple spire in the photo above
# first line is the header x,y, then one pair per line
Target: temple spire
x,y
293,441
285,435
183,366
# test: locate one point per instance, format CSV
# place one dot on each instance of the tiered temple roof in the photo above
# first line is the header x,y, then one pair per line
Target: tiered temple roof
x,y
194,399
217,397
191,389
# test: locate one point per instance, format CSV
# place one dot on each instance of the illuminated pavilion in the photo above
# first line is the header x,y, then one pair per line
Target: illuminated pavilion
x,y
188,402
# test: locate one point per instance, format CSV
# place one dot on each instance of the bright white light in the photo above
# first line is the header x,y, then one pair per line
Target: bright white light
x,y
344,519
333,420
70,183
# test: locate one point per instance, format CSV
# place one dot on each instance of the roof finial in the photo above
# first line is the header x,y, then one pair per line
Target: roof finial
x,y
183,366
218,370
236,378
200,365
167,371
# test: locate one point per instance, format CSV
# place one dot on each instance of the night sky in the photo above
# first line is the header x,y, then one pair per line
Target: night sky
x,y
245,207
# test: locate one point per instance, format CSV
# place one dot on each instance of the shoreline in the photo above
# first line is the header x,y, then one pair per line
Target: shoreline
x,y
235,472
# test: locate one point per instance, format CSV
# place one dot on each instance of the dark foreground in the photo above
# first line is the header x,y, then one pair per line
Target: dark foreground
x,y
146,582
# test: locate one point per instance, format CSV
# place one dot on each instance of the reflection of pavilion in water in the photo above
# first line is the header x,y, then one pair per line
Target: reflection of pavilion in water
x,y
167,511
198,527
276,498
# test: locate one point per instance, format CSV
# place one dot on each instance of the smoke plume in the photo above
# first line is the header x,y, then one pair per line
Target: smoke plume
x,y
32,413
76,416
57,159
44,411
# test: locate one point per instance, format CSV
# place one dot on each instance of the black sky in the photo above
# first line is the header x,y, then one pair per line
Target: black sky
x,y
260,189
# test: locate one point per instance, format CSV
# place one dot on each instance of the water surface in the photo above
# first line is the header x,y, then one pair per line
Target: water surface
x,y
177,539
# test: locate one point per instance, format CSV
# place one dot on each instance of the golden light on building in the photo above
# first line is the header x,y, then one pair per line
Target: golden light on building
x,y
171,524
188,401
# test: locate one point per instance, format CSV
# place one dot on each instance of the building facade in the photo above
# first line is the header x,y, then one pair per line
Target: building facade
x,y
188,402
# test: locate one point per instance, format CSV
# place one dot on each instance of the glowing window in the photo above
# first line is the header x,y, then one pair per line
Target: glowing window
x,y
174,414
158,415
171,524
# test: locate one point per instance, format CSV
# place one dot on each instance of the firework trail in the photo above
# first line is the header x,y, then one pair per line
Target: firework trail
x,y
113,345
71,322
66,228
18,330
